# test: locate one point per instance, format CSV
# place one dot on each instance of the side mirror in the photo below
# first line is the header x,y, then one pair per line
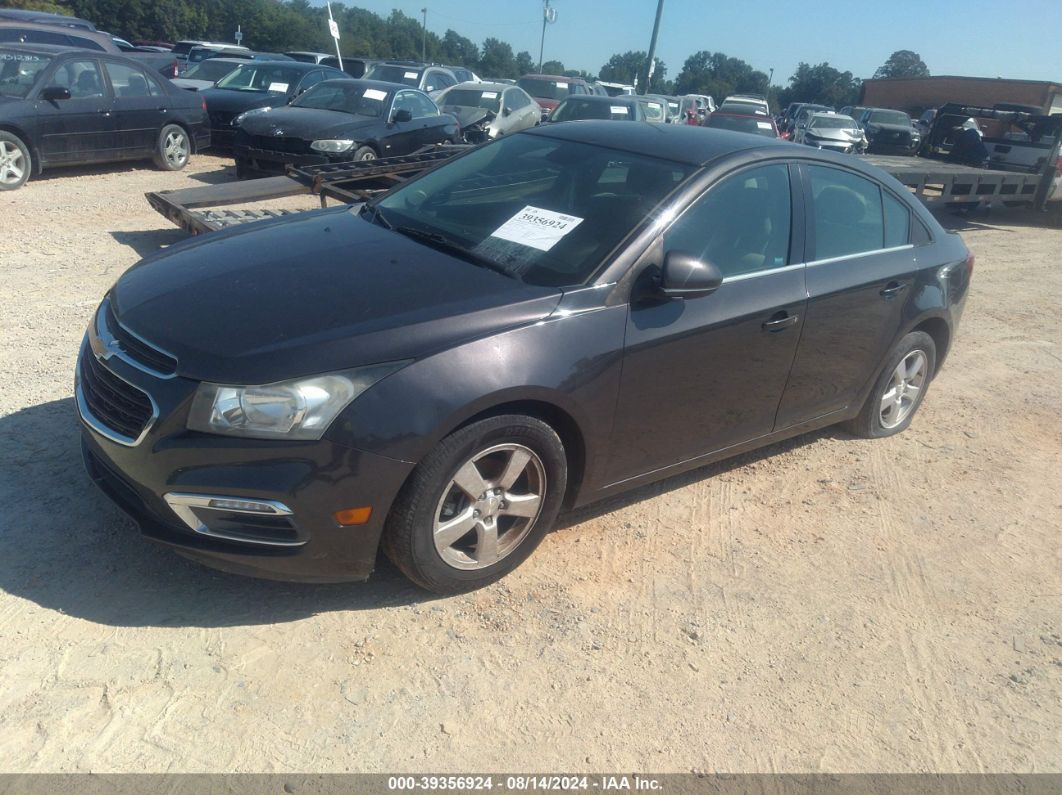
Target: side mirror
x,y
55,93
402,115
506,111
685,276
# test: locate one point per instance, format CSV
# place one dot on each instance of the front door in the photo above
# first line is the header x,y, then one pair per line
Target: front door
x,y
706,373
79,129
860,274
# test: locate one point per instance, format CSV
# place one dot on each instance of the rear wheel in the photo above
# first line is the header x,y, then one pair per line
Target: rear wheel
x,y
173,148
15,161
900,389
478,505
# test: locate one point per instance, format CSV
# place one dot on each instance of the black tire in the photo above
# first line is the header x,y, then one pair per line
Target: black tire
x,y
16,163
364,153
243,169
870,423
409,535
173,149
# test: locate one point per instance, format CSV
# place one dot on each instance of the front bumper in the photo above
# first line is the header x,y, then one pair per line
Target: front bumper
x,y
844,147
311,480
275,162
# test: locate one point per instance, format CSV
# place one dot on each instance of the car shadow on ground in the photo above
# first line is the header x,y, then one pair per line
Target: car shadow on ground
x,y
65,547
150,241
217,176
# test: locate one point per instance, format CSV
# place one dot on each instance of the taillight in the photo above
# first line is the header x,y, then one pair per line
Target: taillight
x,y
202,102
969,265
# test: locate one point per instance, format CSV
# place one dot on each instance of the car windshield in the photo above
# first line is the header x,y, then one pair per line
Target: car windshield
x,y
574,108
654,111
542,210
346,96
210,69
261,76
544,89
743,108
472,98
19,71
390,73
745,124
183,47
889,117
833,123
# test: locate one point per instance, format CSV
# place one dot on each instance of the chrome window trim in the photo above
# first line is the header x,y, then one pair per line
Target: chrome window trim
x,y
182,503
97,425
829,260
104,345
769,272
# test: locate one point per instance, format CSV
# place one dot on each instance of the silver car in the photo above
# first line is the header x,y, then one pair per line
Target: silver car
x,y
487,111
831,131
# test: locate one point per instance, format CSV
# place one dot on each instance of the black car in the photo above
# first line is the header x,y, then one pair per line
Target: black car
x,y
544,321
259,84
620,108
889,132
62,107
341,120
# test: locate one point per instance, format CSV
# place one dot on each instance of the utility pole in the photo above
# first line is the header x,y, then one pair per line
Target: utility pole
x,y
424,36
651,62
549,14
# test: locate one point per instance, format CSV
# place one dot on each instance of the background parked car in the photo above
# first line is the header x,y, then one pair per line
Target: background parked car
x,y
656,108
489,110
750,99
626,107
12,32
353,66
549,90
753,123
744,108
201,52
791,117
341,120
60,107
259,84
890,132
206,73
44,18
826,130
427,77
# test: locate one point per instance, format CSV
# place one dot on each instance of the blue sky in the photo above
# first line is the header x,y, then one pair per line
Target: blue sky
x,y
982,38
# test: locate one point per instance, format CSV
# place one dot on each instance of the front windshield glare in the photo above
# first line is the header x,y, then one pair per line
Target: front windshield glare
x,y
345,96
543,210
261,77
19,71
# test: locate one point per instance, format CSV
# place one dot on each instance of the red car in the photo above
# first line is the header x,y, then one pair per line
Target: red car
x,y
755,124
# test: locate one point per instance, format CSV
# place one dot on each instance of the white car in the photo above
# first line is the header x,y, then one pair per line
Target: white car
x,y
487,111
749,99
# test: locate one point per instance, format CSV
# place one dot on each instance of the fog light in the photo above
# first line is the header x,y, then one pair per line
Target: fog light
x,y
243,506
354,515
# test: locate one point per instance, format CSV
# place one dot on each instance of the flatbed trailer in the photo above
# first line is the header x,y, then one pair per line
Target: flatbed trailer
x,y
200,210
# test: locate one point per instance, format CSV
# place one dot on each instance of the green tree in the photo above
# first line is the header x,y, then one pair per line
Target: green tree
x,y
627,68
902,63
718,75
822,84
553,68
524,63
457,50
497,59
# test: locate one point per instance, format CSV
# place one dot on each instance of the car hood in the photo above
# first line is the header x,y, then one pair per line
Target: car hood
x,y
837,135
317,292
232,101
307,123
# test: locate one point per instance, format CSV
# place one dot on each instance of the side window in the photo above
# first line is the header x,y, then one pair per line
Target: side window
x,y
404,101
741,224
84,44
847,212
437,80
312,79
82,78
422,106
127,81
515,99
897,221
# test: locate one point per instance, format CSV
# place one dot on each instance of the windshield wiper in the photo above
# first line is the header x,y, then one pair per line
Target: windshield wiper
x,y
371,213
441,242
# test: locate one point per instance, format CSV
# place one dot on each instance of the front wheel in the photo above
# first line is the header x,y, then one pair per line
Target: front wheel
x,y
478,505
899,390
15,161
364,153
173,148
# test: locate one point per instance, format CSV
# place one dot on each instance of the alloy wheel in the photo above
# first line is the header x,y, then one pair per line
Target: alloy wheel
x,y
12,163
904,388
176,148
489,506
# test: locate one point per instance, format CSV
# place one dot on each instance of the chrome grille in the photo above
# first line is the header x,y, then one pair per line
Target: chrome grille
x,y
111,404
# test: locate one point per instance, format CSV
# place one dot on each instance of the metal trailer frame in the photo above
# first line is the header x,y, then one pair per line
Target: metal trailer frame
x,y
196,210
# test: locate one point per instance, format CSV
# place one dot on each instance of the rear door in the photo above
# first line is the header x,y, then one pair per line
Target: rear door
x,y
703,374
140,109
860,273
80,129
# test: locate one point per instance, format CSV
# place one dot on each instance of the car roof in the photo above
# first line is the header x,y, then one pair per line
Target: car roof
x,y
485,86
555,78
629,99
381,85
737,115
41,49
679,143
46,18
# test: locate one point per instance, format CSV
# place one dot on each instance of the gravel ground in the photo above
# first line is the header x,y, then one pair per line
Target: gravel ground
x,y
828,604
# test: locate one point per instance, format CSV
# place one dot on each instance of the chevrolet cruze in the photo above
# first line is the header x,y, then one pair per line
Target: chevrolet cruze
x,y
547,320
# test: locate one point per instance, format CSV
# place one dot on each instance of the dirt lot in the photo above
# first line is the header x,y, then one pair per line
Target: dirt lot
x,y
826,605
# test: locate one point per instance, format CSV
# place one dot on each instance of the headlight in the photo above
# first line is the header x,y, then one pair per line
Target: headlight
x,y
246,113
302,408
332,145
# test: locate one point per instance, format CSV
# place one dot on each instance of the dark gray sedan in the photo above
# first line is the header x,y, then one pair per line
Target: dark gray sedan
x,y
552,318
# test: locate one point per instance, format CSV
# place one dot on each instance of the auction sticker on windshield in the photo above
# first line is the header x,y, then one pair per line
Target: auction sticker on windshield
x,y
763,125
490,95
620,109
278,86
375,93
410,75
537,228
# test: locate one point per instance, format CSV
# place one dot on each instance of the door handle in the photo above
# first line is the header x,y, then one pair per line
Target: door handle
x,y
780,323
892,289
